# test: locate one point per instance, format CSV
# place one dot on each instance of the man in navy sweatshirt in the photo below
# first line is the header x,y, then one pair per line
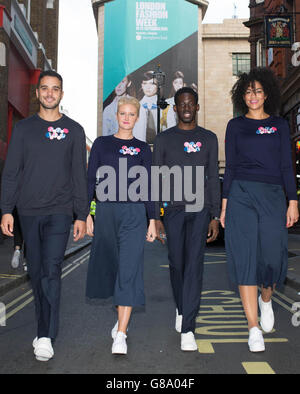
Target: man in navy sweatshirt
x,y
45,178
188,230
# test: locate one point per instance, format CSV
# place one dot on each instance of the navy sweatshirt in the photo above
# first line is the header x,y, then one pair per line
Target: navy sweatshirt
x,y
106,151
191,148
259,150
45,169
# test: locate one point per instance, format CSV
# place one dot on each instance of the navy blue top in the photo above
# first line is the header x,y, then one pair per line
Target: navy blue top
x,y
45,169
107,151
190,148
259,150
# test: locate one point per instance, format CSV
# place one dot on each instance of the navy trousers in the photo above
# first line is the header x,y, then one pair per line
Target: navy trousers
x,y
46,240
186,234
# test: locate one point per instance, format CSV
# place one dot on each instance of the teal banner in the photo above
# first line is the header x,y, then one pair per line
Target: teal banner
x,y
139,35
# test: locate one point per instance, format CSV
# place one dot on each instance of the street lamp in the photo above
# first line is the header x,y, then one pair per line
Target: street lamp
x,y
159,78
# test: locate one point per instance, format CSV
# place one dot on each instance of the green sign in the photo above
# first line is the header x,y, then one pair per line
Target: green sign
x,y
139,36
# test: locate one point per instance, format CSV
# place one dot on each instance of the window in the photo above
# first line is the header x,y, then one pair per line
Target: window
x,y
241,63
261,60
50,4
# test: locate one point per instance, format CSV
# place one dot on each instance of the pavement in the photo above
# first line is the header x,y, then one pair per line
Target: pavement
x,y
11,278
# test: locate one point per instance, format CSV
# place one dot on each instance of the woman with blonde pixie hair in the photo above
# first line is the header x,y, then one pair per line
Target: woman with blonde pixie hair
x,y
120,228
130,100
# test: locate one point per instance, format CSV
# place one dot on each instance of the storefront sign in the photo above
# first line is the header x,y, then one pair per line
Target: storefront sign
x,y
279,31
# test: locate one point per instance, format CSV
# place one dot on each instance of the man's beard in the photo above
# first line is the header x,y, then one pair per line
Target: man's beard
x,y
53,106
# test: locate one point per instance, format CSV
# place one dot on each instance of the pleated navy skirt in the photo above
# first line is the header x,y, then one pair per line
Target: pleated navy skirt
x,y
256,236
117,254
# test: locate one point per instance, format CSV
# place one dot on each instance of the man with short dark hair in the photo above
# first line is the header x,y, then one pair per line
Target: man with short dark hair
x,y
45,178
188,228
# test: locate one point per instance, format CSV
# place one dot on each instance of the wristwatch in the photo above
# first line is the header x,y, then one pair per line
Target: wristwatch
x,y
216,218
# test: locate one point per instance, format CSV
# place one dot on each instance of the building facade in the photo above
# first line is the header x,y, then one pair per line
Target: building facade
x,y
28,45
284,61
226,53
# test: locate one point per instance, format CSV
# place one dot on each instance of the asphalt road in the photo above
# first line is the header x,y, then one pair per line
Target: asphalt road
x,y
84,343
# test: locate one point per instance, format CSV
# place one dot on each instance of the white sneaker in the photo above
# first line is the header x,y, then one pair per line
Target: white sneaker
x,y
114,331
43,349
119,346
34,342
266,315
15,261
256,340
188,343
178,322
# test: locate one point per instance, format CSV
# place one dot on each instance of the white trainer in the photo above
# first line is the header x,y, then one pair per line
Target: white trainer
x,y
178,322
34,342
256,340
266,315
43,349
15,261
188,343
119,346
114,331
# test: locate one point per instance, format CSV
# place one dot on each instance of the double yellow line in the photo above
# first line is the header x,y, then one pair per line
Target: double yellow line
x,y
65,271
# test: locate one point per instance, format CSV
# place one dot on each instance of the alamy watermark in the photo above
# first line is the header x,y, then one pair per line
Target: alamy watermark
x,y
296,55
2,315
162,184
296,315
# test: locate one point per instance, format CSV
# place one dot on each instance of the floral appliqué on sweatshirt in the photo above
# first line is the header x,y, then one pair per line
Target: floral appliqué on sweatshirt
x,y
266,130
191,147
58,133
129,151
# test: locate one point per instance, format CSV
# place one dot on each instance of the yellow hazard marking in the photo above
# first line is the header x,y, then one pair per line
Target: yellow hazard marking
x,y
261,368
7,276
221,320
205,346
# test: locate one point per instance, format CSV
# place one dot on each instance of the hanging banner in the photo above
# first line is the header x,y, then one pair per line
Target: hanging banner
x,y
279,31
139,36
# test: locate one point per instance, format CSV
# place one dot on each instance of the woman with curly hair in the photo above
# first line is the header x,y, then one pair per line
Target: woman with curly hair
x,y
258,181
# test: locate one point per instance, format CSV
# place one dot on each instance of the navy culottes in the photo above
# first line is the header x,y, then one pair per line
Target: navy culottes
x,y
256,236
116,265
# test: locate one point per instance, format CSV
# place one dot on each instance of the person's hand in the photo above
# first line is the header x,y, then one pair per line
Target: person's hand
x,y
7,224
292,215
223,212
151,233
90,226
160,231
79,230
222,218
213,231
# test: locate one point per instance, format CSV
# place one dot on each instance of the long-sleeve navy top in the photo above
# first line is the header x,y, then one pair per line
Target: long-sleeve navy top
x,y
259,150
191,148
45,169
112,177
